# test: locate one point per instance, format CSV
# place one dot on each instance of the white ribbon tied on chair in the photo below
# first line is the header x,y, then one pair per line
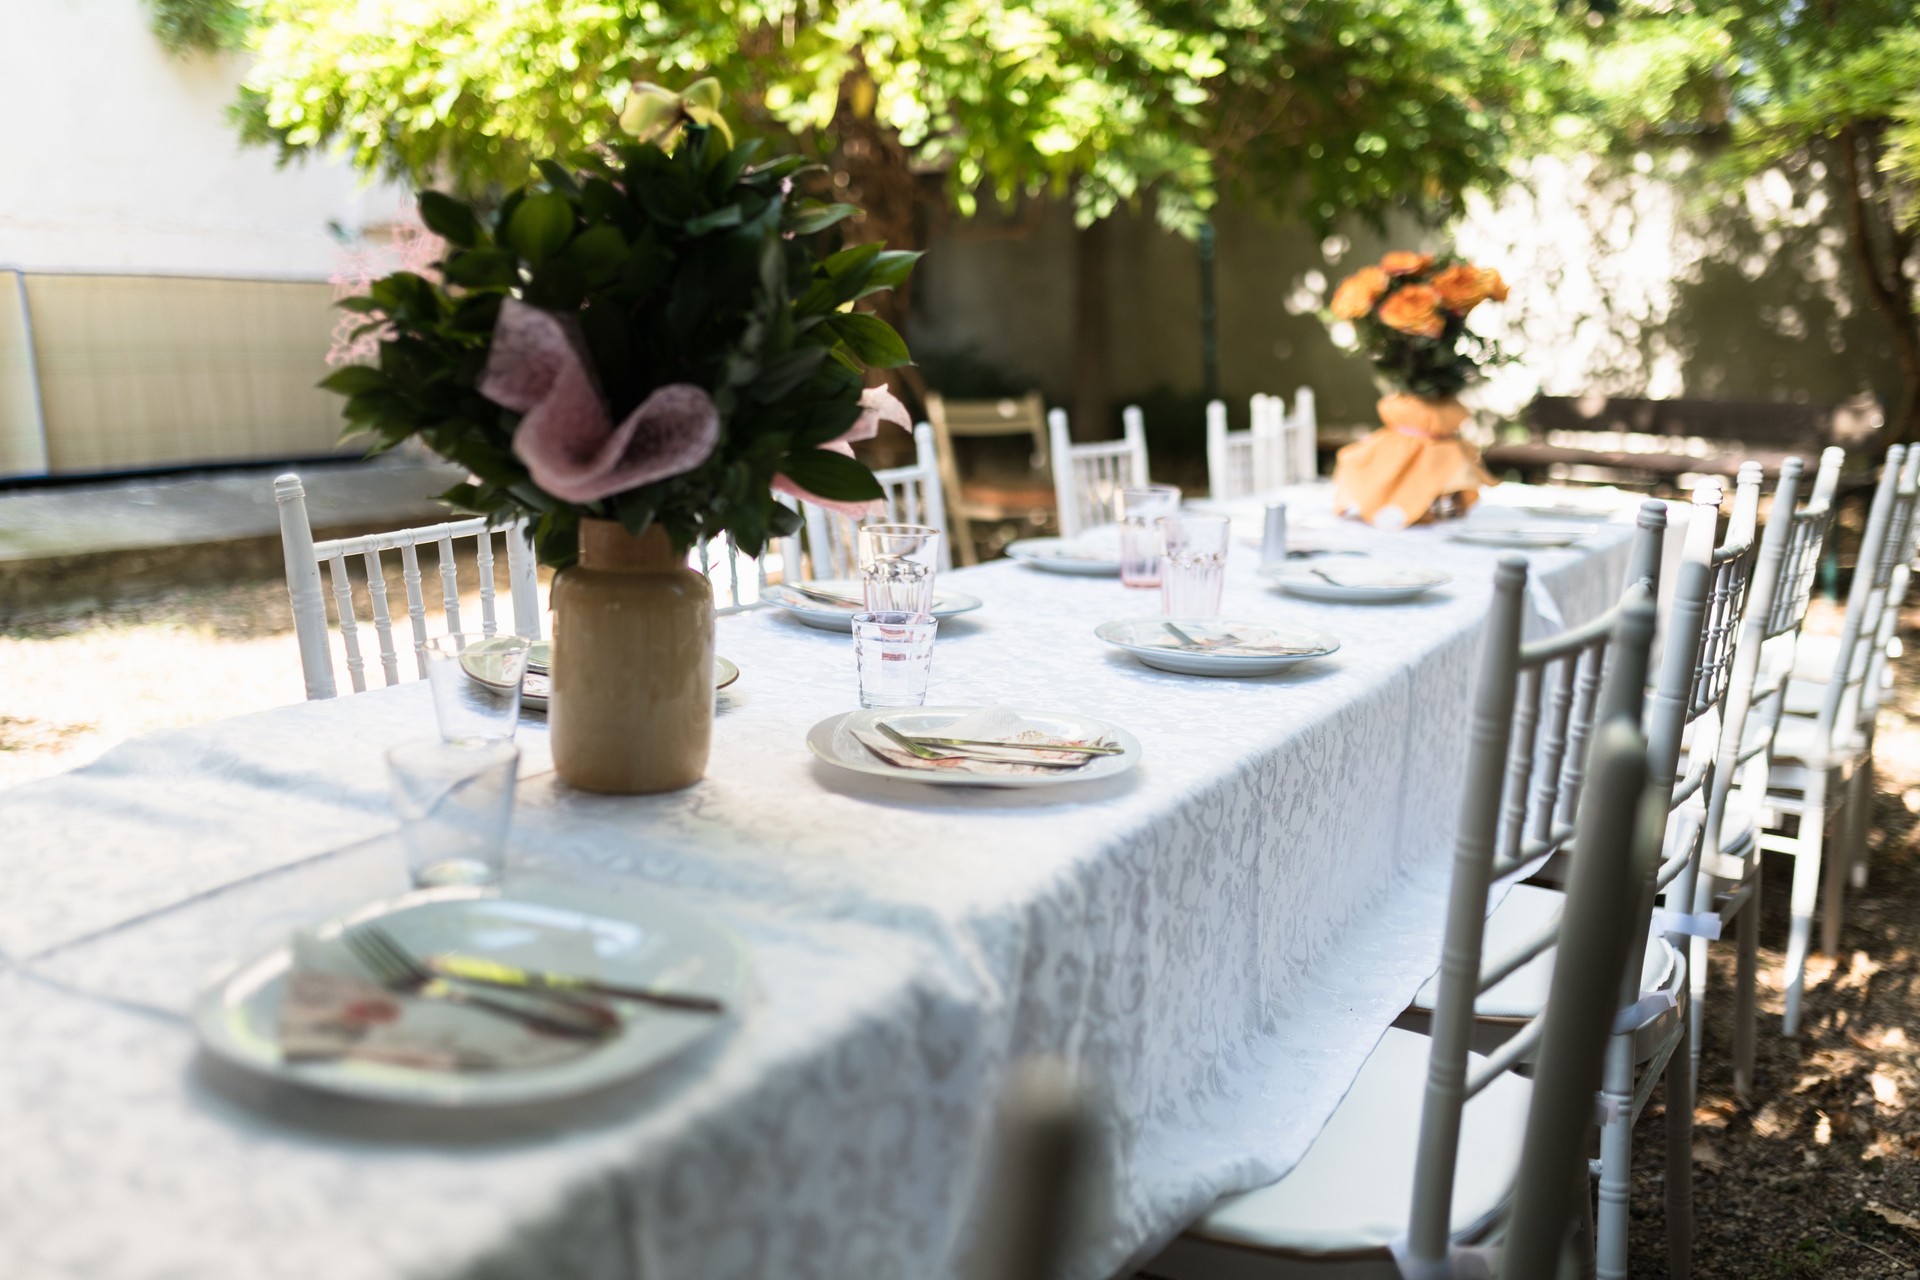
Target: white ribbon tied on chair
x,y
536,366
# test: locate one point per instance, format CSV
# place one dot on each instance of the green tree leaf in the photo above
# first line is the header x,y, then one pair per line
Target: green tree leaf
x,y
449,219
540,226
870,338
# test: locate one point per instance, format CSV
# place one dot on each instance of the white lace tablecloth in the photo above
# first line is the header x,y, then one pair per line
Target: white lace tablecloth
x,y
1220,937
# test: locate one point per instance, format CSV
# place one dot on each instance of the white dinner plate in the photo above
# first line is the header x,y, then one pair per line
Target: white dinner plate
x,y
836,617
649,944
1528,539
1059,555
538,686
1153,642
833,741
1356,582
484,661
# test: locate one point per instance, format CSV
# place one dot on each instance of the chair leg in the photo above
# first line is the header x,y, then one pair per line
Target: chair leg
x,y
1859,820
1806,886
1679,1082
1616,1162
1697,1012
1582,1240
1745,985
1833,905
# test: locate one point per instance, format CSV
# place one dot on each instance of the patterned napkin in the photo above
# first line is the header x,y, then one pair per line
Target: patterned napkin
x,y
1102,542
332,1010
1230,642
1364,575
996,723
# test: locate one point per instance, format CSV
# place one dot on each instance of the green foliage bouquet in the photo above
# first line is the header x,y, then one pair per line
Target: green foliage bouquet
x,y
654,334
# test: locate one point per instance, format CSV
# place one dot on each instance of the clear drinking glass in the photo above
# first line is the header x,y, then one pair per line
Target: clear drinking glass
x,y
454,801
894,654
1194,568
476,685
898,562
1139,511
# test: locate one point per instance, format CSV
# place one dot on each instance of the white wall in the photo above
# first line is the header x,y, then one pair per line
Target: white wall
x,y
115,154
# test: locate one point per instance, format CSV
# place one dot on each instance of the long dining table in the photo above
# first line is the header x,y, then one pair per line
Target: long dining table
x,y
1218,938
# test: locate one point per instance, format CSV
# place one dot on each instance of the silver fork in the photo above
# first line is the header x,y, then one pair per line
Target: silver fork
x,y
913,748
394,968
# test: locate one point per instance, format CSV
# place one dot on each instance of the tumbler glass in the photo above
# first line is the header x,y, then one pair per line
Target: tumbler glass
x,y
894,654
1194,567
1140,509
476,685
899,563
454,801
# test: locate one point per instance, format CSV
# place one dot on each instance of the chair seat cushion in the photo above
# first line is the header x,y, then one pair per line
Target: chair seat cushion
x,y
1353,1189
1521,994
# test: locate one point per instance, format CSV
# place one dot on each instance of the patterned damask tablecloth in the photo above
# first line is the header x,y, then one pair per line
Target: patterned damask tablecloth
x,y
1221,936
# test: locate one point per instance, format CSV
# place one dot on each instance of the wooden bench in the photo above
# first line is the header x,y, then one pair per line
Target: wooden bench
x,y
1654,443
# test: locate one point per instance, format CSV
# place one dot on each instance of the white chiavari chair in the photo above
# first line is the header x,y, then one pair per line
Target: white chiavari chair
x,y
1088,478
1276,450
911,495
1046,1158
1728,885
736,578
305,560
1391,1188
1821,743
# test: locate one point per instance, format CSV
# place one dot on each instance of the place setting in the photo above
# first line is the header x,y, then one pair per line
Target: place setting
x,y
895,735
536,685
911,554
1092,553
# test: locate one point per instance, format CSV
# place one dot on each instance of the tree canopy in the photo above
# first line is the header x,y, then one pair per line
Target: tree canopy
x,y
1334,107
1823,89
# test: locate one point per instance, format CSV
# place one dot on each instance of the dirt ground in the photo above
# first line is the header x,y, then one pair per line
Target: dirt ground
x,y
1817,1176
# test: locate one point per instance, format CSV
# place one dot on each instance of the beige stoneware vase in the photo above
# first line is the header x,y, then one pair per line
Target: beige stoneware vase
x,y
632,704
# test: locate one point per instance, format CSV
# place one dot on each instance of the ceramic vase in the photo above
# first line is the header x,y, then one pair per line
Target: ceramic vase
x,y
631,710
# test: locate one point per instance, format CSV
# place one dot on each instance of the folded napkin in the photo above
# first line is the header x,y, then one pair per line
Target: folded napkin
x,y
1393,477
1230,643
1367,575
1102,542
997,723
332,1009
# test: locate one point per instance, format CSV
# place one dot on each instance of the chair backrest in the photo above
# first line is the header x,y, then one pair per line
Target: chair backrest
x,y
1899,556
1619,843
963,419
1536,711
736,577
913,495
1277,449
305,559
1881,546
1777,597
1088,478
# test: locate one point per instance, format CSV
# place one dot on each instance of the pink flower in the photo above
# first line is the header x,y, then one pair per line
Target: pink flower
x,y
536,366
877,405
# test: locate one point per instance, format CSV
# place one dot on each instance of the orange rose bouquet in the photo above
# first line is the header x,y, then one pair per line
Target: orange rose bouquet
x,y
1410,315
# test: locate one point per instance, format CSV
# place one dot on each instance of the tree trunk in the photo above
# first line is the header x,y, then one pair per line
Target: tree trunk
x,y
1882,261
1092,333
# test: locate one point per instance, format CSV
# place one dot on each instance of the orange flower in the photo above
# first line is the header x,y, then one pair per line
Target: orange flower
x,y
1496,287
1463,286
1357,293
1415,309
1405,262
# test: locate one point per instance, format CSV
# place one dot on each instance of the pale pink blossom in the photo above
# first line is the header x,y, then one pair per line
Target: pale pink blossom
x,y
537,366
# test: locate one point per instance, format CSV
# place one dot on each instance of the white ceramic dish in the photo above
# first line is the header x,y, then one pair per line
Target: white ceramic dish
x,y
833,741
1057,555
834,617
1151,641
538,685
649,944
1532,538
484,661
1356,582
